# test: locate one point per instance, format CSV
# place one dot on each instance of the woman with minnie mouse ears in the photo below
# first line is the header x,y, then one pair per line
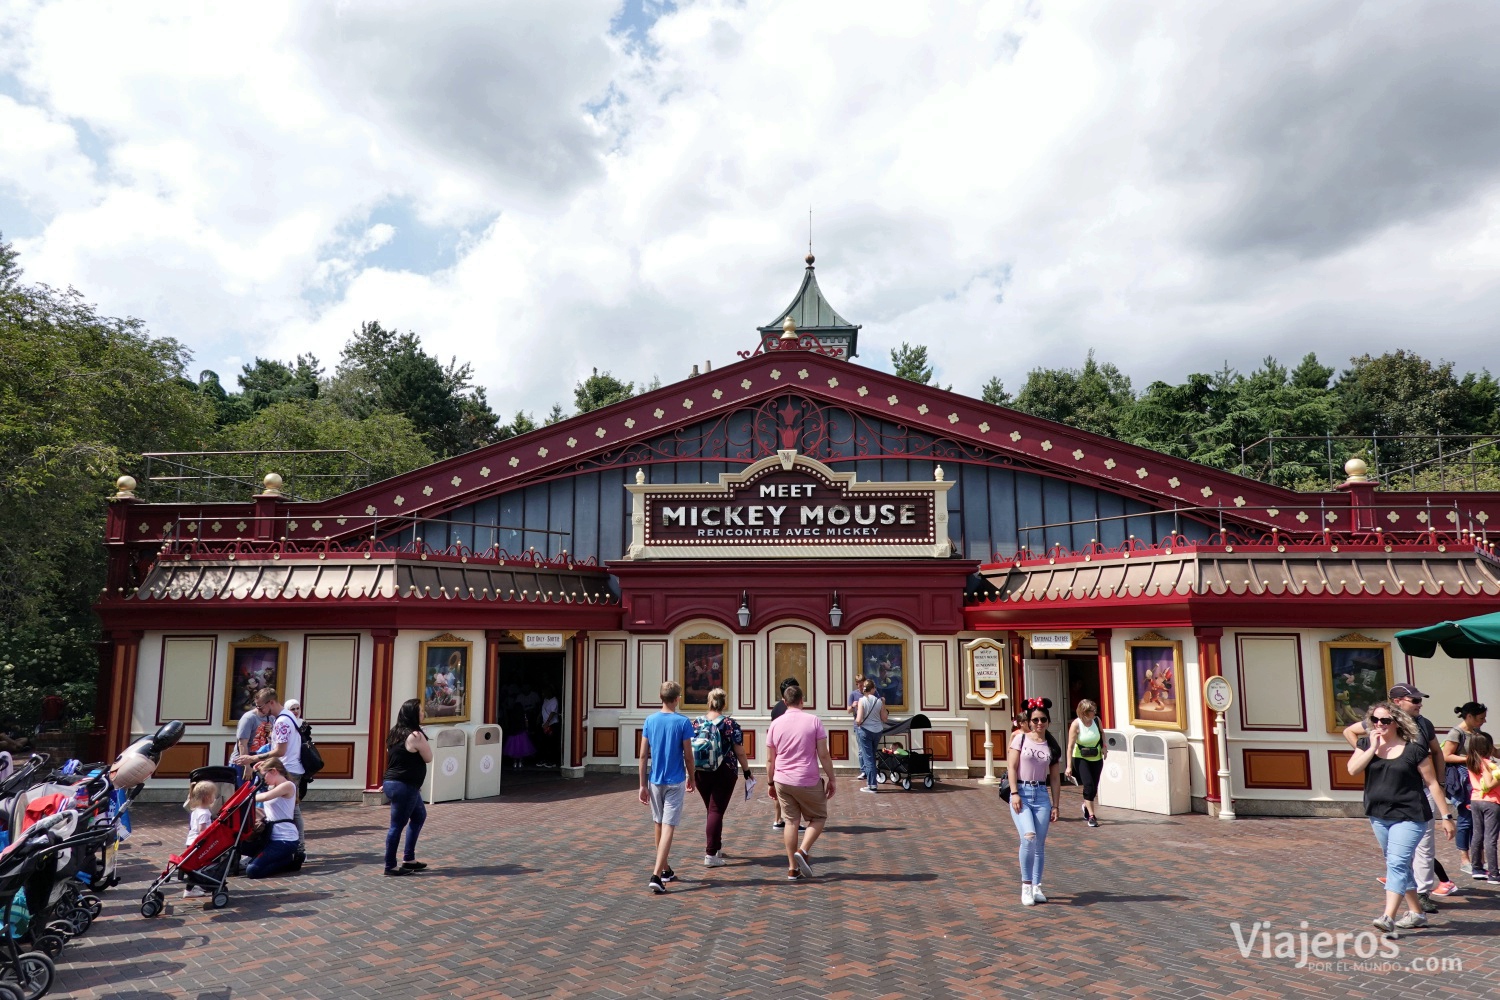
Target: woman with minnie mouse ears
x,y
1035,768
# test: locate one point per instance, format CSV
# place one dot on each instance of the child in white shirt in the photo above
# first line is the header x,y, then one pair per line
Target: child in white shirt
x,y
200,807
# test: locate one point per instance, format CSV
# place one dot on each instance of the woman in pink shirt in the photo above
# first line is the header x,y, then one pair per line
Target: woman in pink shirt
x,y
1035,768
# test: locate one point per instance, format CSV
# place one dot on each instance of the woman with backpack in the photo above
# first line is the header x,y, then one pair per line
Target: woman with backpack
x,y
870,717
1471,716
718,748
1035,771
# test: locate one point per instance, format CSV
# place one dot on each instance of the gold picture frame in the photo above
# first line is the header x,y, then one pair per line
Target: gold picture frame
x,y
1357,672
1158,689
702,665
883,659
254,662
791,659
445,671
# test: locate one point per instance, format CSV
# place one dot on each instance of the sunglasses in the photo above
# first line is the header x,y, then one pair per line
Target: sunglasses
x,y
1037,718
1381,720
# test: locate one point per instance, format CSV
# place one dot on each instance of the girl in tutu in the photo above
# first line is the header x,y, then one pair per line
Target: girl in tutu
x,y
518,745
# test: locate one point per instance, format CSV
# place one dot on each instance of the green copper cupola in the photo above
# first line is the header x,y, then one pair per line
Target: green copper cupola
x,y
813,317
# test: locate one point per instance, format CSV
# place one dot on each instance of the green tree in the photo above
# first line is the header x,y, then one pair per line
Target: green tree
x,y
386,441
600,390
909,361
994,392
81,396
1094,398
522,424
267,382
384,370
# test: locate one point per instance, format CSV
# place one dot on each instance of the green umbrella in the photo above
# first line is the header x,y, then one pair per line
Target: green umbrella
x,y
1478,637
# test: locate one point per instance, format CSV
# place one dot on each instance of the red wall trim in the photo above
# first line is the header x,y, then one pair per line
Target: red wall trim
x,y
382,661
1209,665
745,676
922,678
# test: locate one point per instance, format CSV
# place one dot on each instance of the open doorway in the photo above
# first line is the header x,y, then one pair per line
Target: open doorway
x,y
529,707
1082,682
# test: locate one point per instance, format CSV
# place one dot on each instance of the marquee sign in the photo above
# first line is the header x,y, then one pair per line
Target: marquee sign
x,y
789,506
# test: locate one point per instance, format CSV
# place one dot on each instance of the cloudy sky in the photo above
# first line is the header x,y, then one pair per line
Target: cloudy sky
x,y
544,186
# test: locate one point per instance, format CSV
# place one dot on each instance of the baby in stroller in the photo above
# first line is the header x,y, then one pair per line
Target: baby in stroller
x,y
200,807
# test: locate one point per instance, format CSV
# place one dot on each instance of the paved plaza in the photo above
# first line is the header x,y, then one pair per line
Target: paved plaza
x,y
542,893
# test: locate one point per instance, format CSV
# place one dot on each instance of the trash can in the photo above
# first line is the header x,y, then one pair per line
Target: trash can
x,y
445,775
483,776
1161,773
1117,779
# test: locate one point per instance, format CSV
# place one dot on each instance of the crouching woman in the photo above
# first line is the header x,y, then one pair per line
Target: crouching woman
x,y
278,802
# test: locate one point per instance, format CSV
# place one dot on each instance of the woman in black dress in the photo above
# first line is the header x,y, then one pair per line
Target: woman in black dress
x,y
1397,769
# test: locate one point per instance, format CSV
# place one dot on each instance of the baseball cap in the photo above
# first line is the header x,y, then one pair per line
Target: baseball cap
x,y
1406,691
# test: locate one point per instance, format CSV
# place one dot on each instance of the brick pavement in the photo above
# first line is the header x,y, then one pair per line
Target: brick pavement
x,y
542,893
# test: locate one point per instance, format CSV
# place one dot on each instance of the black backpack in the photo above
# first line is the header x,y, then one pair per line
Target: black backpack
x,y
309,757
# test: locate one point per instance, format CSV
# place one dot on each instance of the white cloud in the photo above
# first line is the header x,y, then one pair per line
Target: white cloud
x,y
1009,183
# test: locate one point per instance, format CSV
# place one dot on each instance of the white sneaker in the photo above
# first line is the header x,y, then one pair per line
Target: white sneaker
x,y
713,860
1028,895
1036,893
193,892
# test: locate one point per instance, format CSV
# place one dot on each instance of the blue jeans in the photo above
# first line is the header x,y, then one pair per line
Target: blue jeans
x,y
868,742
1398,841
1463,830
408,811
1032,822
275,857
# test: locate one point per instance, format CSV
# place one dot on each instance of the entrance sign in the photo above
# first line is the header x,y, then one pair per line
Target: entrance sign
x,y
542,640
789,506
986,684
1052,640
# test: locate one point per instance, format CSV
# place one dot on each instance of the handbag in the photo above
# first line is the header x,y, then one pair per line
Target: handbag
x,y
1005,788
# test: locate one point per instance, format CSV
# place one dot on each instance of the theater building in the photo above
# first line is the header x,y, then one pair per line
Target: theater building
x,y
796,514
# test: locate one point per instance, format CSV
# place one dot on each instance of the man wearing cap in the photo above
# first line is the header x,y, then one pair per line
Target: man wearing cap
x,y
1424,865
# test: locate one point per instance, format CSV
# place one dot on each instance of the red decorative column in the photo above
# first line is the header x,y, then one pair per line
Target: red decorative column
x,y
1106,684
381,665
1017,674
1360,489
492,640
123,665
1209,666
575,720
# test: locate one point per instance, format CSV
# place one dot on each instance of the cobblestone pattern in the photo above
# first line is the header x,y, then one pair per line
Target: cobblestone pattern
x,y
542,893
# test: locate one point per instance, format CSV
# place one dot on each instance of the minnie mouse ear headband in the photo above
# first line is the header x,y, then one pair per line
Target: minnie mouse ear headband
x,y
1043,703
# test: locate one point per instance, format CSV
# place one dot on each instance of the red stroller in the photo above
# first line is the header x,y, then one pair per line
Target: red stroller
x,y
209,859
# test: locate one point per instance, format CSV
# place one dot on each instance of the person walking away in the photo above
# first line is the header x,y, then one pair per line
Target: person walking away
x,y
1431,879
244,734
666,775
870,717
286,746
1484,777
550,740
1397,766
407,754
1086,753
716,785
796,748
278,800
1471,718
200,807
1036,787
304,731
777,710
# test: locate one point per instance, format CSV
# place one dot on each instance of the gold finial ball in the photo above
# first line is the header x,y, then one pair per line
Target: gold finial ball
x,y
1357,470
789,328
272,482
125,484
809,258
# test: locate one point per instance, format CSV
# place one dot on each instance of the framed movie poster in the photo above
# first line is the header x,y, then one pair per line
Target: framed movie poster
x,y
789,660
1356,674
1158,699
702,658
254,663
445,663
882,658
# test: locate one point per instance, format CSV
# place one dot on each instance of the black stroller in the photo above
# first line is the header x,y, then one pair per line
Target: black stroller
x,y
31,859
895,763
